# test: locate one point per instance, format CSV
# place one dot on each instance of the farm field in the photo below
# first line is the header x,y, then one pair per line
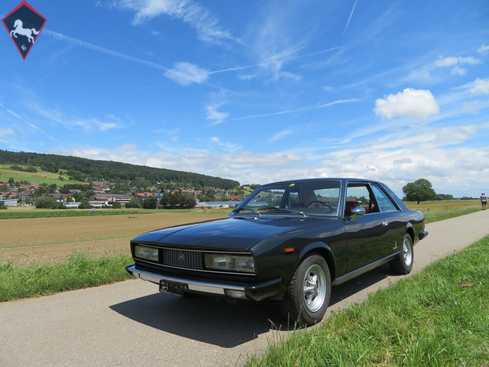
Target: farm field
x,y
26,241
444,205
30,240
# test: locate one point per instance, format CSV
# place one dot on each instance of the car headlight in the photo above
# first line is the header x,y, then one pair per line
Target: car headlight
x,y
147,253
238,263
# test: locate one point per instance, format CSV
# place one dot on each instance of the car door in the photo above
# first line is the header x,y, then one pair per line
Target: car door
x,y
393,221
369,236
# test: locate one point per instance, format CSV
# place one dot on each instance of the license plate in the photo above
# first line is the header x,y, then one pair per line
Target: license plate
x,y
174,288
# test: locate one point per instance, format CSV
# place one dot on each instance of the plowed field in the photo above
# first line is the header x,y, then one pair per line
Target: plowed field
x,y
24,241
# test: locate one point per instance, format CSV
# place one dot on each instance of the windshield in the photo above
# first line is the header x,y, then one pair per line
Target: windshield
x,y
315,197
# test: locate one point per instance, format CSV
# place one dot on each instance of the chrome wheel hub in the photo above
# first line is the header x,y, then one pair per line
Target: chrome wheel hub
x,y
314,288
407,253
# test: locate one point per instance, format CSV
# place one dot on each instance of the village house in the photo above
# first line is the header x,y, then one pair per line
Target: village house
x,y
109,199
9,202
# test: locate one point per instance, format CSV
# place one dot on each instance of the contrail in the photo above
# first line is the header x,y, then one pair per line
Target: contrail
x,y
351,14
103,50
298,110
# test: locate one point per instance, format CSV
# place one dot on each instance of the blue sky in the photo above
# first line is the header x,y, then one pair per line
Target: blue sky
x,y
258,91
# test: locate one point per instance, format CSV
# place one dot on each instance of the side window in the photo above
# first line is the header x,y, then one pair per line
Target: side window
x,y
329,196
358,195
385,202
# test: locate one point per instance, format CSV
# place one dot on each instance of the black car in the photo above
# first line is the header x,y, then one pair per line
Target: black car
x,y
288,241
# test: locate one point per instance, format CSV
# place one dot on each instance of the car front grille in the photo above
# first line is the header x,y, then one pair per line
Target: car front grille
x,y
183,259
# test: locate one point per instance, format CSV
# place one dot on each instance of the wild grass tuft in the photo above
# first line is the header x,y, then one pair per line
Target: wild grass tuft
x,y
82,270
439,317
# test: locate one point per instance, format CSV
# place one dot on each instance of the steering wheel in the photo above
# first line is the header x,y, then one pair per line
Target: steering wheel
x,y
321,204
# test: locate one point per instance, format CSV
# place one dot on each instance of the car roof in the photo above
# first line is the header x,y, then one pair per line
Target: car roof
x,y
322,179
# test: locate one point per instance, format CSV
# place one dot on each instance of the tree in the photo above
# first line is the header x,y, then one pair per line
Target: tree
x,y
149,203
45,202
133,203
419,190
85,204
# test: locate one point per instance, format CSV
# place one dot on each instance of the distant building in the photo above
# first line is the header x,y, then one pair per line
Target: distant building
x,y
216,204
9,202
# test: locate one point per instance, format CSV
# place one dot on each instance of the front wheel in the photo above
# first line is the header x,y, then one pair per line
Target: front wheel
x,y
403,263
309,292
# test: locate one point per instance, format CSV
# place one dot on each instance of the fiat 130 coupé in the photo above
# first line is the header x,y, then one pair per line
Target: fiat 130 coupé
x,y
287,241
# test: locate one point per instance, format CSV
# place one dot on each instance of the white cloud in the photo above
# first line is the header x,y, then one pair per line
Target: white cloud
x,y
431,155
227,146
6,132
481,86
452,61
483,49
280,135
204,22
409,102
215,116
458,71
185,74
472,107
439,155
456,62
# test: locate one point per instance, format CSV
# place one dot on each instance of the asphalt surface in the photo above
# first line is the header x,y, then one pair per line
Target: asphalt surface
x,y
130,323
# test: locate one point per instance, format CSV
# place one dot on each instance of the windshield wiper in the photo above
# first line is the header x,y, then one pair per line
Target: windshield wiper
x,y
250,210
286,210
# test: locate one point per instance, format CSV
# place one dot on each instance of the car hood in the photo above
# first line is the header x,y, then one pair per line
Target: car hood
x,y
227,234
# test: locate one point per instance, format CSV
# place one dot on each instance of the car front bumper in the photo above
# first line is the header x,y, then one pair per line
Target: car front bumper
x,y
253,291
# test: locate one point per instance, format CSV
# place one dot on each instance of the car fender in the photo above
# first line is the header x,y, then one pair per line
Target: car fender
x,y
410,230
322,249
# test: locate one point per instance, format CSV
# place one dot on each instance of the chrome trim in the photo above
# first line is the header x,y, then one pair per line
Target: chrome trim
x,y
226,252
364,269
189,269
193,285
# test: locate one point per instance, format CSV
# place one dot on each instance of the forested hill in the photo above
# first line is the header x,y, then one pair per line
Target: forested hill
x,y
82,168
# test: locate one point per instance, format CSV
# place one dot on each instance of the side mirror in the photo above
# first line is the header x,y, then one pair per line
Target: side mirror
x,y
355,212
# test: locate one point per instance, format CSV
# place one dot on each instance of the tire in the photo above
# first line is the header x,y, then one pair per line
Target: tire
x,y
309,292
403,263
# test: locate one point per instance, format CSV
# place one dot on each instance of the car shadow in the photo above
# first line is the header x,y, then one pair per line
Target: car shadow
x,y
206,319
220,322
358,284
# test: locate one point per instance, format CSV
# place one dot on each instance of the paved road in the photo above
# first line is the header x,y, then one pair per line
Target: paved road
x,y
130,323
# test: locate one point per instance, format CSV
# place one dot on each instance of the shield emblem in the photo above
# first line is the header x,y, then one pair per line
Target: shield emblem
x,y
24,24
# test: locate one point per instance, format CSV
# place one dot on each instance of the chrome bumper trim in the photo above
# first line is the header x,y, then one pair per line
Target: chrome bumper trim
x,y
204,287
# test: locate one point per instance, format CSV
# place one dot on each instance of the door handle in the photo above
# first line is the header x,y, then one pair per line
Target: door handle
x,y
385,223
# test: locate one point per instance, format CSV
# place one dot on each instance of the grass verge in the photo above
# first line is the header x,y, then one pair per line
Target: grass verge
x,y
61,213
437,215
439,317
82,270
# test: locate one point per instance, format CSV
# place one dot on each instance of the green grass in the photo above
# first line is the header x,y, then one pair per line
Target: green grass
x,y
70,213
437,215
81,271
439,317
40,176
31,212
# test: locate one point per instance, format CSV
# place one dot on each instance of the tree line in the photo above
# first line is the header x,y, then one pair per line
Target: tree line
x,y
83,169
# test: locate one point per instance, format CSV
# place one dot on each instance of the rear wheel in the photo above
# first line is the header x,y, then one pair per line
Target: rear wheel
x,y
309,292
403,263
